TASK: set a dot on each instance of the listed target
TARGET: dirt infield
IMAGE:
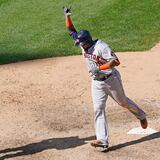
(46, 109)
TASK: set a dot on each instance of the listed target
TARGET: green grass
(31, 29)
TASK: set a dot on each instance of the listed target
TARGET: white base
(139, 130)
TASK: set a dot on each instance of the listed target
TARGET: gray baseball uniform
(103, 86)
(104, 82)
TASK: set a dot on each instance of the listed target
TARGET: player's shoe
(144, 123)
(99, 145)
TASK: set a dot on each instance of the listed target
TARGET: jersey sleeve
(107, 53)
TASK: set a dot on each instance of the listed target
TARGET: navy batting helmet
(83, 37)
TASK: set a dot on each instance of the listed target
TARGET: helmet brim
(78, 43)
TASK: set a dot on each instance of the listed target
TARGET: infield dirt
(46, 109)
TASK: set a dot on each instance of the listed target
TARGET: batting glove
(94, 71)
(67, 11)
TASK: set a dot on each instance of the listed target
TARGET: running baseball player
(106, 80)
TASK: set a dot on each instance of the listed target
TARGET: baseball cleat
(99, 145)
(144, 123)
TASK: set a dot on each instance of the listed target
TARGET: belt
(103, 78)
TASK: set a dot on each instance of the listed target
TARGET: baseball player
(106, 80)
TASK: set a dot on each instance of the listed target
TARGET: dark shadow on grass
(126, 144)
(53, 143)
(3, 2)
(19, 57)
(7, 58)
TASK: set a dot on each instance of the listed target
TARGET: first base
(139, 130)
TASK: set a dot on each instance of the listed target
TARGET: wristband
(104, 66)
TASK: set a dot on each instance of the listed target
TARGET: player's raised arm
(68, 22)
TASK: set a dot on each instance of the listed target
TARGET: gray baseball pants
(100, 91)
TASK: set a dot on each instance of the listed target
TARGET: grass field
(31, 29)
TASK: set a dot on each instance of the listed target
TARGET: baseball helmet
(83, 37)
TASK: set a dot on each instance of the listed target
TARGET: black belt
(103, 78)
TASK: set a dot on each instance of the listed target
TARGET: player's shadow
(53, 143)
(143, 139)
(64, 143)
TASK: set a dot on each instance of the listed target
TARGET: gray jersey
(99, 50)
(102, 87)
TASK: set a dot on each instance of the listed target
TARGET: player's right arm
(109, 56)
(68, 21)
